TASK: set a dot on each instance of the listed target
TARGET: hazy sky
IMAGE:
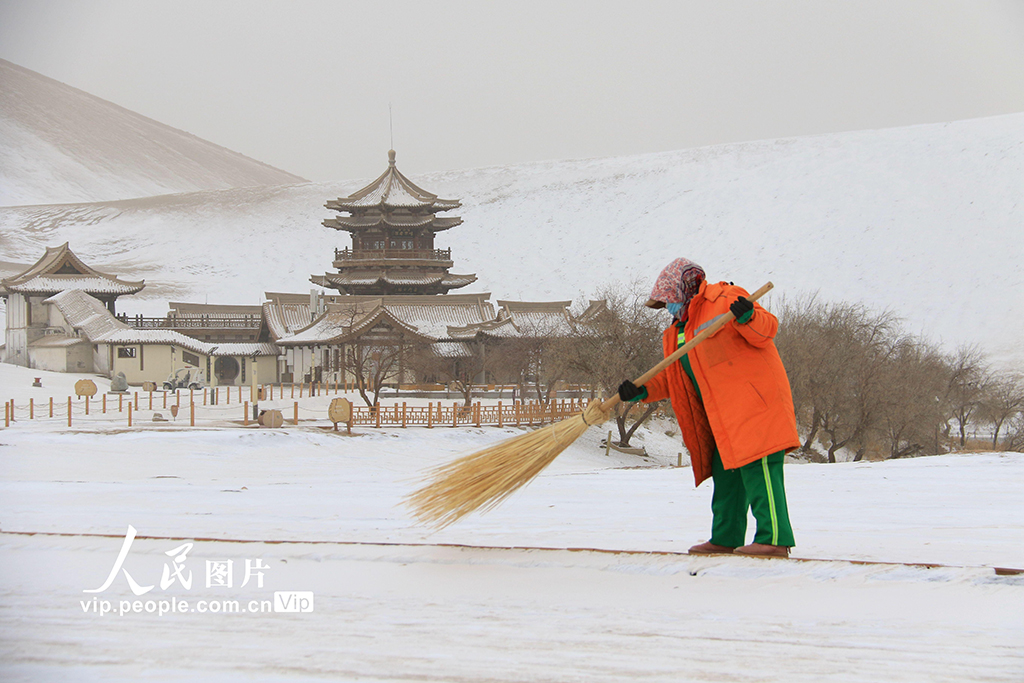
(305, 85)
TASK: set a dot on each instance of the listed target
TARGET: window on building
(190, 359)
(126, 352)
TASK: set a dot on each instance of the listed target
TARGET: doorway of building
(226, 369)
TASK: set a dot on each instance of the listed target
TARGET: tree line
(861, 383)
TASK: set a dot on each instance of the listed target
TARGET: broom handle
(719, 322)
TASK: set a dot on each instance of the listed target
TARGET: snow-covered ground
(321, 512)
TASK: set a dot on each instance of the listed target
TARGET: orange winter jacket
(747, 406)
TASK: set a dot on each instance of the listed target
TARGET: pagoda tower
(393, 223)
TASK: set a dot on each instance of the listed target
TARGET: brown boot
(763, 550)
(710, 548)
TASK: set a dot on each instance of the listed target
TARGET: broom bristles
(484, 479)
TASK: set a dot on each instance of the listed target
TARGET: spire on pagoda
(392, 222)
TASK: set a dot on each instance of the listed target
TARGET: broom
(484, 479)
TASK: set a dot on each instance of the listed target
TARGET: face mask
(674, 309)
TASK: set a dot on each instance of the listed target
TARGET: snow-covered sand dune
(59, 144)
(924, 220)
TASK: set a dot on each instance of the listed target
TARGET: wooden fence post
(403, 414)
(104, 404)
(376, 409)
(129, 414)
(51, 406)
(136, 400)
(430, 415)
(296, 413)
(69, 411)
(192, 415)
(499, 414)
(245, 414)
(31, 409)
(476, 413)
(120, 403)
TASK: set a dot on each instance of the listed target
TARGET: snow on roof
(86, 313)
(495, 328)
(429, 316)
(538, 318)
(361, 221)
(433, 315)
(451, 350)
(58, 283)
(395, 277)
(285, 319)
(59, 269)
(392, 190)
(243, 349)
(130, 336)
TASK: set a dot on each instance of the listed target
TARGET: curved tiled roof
(366, 278)
(285, 319)
(60, 269)
(392, 190)
(360, 222)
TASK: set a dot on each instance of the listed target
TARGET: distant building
(392, 310)
(30, 330)
(392, 223)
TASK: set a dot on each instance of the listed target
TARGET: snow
(59, 144)
(480, 600)
(923, 220)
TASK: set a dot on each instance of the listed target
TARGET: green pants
(758, 486)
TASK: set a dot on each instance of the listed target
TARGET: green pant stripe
(771, 501)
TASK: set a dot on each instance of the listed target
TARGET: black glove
(631, 392)
(743, 310)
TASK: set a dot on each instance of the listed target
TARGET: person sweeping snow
(734, 406)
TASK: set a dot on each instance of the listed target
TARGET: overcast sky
(306, 85)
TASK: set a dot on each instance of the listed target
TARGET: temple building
(27, 290)
(392, 222)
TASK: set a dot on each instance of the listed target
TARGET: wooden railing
(138, 322)
(515, 414)
(365, 254)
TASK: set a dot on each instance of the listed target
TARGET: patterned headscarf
(677, 284)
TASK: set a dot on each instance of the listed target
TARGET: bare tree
(835, 356)
(462, 365)
(1003, 400)
(916, 378)
(620, 341)
(968, 382)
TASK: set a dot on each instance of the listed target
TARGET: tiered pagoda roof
(393, 222)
